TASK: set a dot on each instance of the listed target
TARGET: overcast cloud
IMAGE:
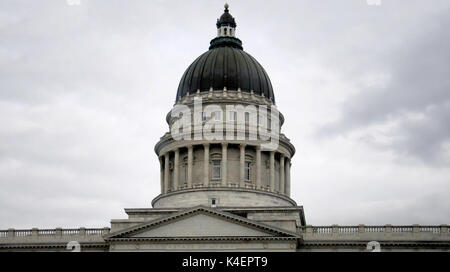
(84, 91)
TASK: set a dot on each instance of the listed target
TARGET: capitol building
(225, 177)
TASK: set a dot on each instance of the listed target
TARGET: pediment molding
(272, 232)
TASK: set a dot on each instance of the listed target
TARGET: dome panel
(225, 66)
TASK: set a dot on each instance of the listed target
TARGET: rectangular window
(203, 116)
(216, 169)
(213, 202)
(247, 117)
(232, 116)
(217, 116)
(247, 171)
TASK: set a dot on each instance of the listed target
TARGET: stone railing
(59, 239)
(58, 232)
(388, 232)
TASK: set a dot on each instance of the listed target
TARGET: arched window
(225, 31)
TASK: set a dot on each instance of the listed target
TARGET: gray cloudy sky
(84, 90)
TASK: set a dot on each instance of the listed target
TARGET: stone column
(166, 172)
(242, 165)
(258, 167)
(272, 171)
(224, 164)
(176, 167)
(206, 165)
(189, 170)
(282, 174)
(287, 188)
(161, 164)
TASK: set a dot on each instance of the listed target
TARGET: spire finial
(226, 7)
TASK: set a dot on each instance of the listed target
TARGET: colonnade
(283, 185)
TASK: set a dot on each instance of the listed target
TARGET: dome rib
(195, 75)
(202, 68)
(187, 81)
(237, 69)
(248, 72)
(262, 79)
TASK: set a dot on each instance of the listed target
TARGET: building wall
(225, 197)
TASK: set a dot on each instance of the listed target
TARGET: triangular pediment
(199, 225)
(200, 222)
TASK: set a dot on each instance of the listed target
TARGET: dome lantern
(226, 25)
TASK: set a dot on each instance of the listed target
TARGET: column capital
(206, 145)
(224, 144)
(242, 145)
